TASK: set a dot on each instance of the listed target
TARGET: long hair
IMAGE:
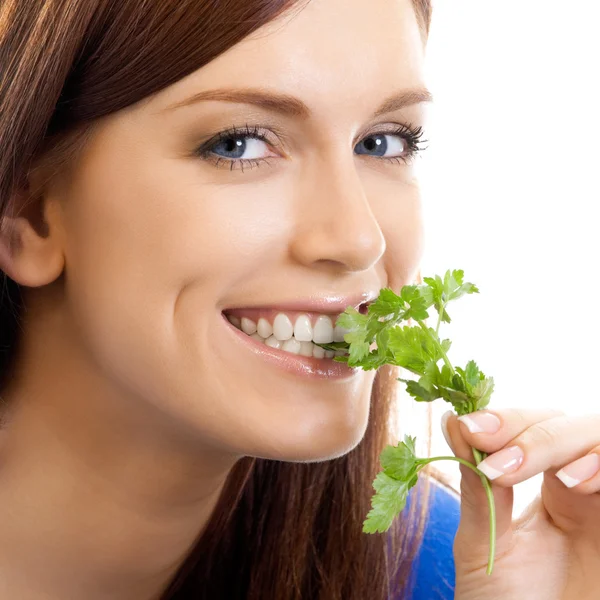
(280, 530)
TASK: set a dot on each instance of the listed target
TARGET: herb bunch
(419, 350)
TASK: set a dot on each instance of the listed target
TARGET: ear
(31, 249)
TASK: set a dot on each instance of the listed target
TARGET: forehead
(324, 52)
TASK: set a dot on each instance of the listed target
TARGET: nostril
(363, 308)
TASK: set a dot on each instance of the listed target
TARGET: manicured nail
(502, 462)
(445, 418)
(481, 422)
(579, 470)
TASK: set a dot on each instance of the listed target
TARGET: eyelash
(413, 136)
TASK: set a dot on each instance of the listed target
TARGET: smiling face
(281, 195)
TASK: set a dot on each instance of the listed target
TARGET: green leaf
(418, 298)
(356, 323)
(454, 287)
(409, 442)
(388, 501)
(436, 285)
(387, 303)
(458, 383)
(445, 378)
(431, 376)
(472, 374)
(420, 393)
(482, 392)
(425, 390)
(400, 461)
(357, 339)
(445, 290)
(383, 338)
(458, 399)
(358, 352)
(400, 473)
(412, 348)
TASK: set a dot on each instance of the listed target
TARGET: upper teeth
(292, 336)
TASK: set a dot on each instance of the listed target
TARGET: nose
(336, 225)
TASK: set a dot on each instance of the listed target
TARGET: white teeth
(282, 327)
(323, 333)
(303, 330)
(248, 326)
(234, 321)
(296, 338)
(339, 333)
(306, 348)
(273, 342)
(264, 328)
(318, 352)
(292, 346)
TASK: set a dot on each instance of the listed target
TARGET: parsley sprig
(419, 350)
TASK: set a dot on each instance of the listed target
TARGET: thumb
(473, 535)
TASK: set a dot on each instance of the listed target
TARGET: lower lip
(320, 368)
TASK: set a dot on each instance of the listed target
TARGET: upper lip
(322, 303)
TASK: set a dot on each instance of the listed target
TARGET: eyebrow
(290, 106)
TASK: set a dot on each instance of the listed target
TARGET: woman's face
(283, 194)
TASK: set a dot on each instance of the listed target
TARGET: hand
(552, 552)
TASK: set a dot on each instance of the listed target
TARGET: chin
(320, 444)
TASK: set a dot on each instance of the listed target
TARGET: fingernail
(502, 462)
(445, 418)
(481, 422)
(579, 470)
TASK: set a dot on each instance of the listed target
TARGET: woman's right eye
(238, 147)
(242, 147)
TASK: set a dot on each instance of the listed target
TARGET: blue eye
(384, 145)
(243, 147)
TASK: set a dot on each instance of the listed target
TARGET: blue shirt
(433, 569)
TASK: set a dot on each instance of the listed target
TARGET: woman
(191, 191)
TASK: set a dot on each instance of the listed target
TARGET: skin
(552, 551)
(130, 400)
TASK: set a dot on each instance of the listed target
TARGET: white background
(511, 194)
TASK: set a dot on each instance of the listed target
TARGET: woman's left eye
(384, 145)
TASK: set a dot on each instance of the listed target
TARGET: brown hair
(280, 530)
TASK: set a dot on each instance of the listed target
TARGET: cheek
(151, 250)
(400, 217)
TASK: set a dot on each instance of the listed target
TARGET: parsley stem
(437, 327)
(488, 492)
(437, 344)
(462, 461)
(492, 506)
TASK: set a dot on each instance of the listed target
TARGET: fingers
(473, 536)
(500, 426)
(527, 442)
(461, 448)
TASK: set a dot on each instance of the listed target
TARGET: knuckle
(523, 416)
(544, 434)
(520, 415)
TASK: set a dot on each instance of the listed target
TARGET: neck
(105, 501)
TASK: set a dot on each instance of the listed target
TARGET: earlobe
(30, 257)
